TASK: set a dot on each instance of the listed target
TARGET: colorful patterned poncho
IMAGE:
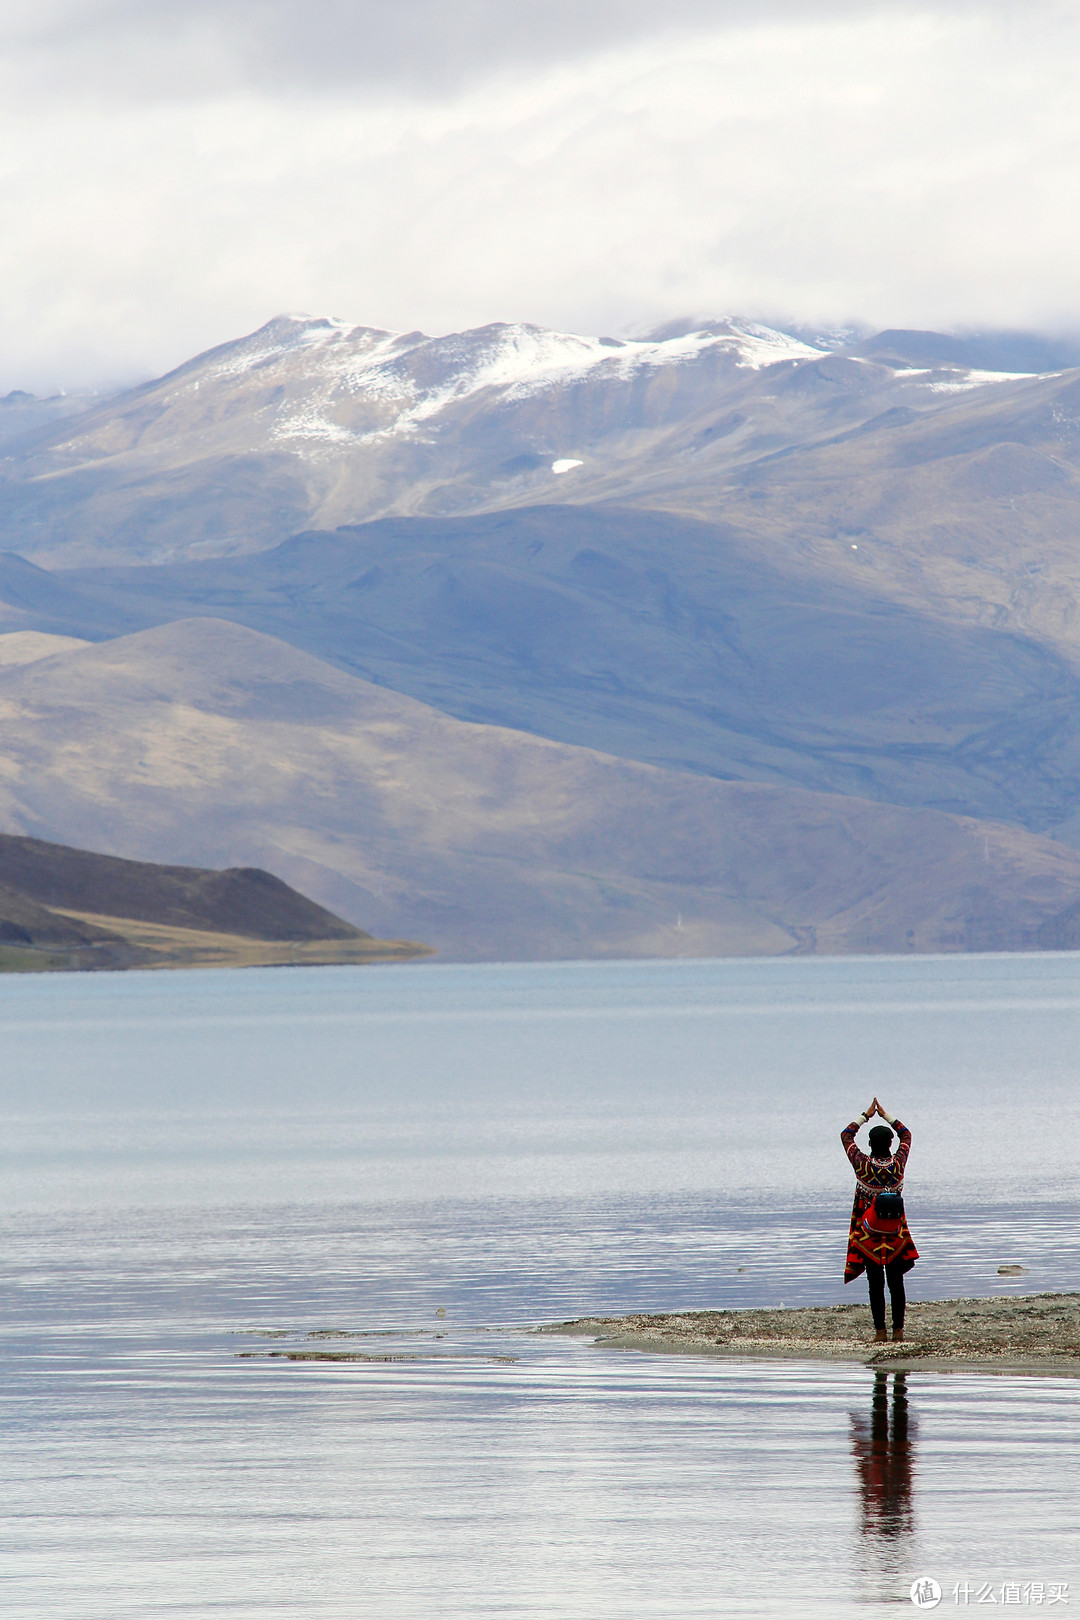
(871, 1177)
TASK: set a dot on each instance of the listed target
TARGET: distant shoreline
(1028, 1333)
(157, 948)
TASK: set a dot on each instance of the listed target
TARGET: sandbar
(1028, 1333)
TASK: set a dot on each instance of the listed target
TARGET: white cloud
(913, 167)
(133, 50)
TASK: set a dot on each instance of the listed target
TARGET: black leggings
(875, 1276)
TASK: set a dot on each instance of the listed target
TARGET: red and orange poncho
(871, 1177)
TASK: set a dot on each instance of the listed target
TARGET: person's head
(880, 1142)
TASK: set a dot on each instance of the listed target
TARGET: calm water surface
(199, 1169)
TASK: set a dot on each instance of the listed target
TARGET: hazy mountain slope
(970, 512)
(309, 421)
(995, 351)
(27, 646)
(645, 635)
(214, 745)
(22, 413)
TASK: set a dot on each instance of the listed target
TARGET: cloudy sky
(174, 172)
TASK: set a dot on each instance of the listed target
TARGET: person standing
(878, 1240)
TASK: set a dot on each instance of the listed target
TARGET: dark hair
(881, 1141)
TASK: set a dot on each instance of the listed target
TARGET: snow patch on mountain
(280, 339)
(409, 377)
(978, 379)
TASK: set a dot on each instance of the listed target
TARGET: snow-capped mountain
(311, 421)
(314, 384)
(406, 379)
(315, 381)
(838, 564)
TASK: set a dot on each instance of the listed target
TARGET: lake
(200, 1169)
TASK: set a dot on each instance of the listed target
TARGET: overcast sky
(175, 172)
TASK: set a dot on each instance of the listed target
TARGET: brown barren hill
(70, 908)
(242, 900)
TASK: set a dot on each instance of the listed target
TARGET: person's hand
(868, 1113)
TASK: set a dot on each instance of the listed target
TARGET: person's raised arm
(904, 1145)
(849, 1132)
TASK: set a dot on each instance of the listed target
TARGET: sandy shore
(1025, 1333)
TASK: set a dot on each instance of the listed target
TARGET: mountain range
(223, 746)
(718, 562)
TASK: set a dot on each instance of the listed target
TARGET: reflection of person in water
(882, 1446)
(879, 1239)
